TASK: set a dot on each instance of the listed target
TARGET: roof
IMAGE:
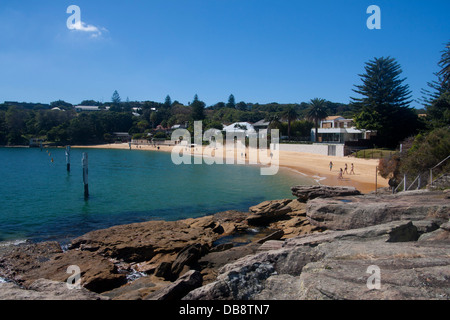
(333, 118)
(179, 126)
(261, 123)
(238, 127)
(121, 134)
(87, 107)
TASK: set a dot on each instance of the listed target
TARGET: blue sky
(259, 50)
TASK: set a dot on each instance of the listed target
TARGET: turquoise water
(40, 200)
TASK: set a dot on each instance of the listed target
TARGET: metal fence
(421, 180)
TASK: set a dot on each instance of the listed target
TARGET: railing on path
(402, 186)
(431, 170)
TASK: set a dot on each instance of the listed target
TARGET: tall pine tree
(384, 102)
(231, 102)
(168, 102)
(198, 109)
(436, 100)
(115, 97)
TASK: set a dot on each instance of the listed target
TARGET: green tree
(58, 134)
(153, 119)
(444, 64)
(168, 102)
(436, 99)
(90, 103)
(81, 129)
(442, 83)
(427, 151)
(384, 102)
(198, 109)
(3, 129)
(438, 113)
(231, 102)
(316, 112)
(242, 106)
(116, 97)
(290, 115)
(15, 120)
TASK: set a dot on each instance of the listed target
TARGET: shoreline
(311, 165)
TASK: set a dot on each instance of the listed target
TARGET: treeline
(17, 126)
(19, 122)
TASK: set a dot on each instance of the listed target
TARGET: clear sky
(259, 50)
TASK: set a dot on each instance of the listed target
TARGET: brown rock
(164, 270)
(277, 235)
(187, 257)
(18, 260)
(305, 193)
(269, 211)
(98, 274)
(362, 211)
(441, 234)
(43, 289)
(138, 289)
(177, 290)
(143, 241)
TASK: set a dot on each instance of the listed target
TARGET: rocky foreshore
(321, 245)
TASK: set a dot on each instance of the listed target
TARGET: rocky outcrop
(43, 289)
(177, 290)
(441, 234)
(288, 215)
(342, 213)
(269, 211)
(397, 242)
(305, 193)
(335, 265)
(145, 241)
(283, 249)
(406, 271)
(26, 263)
(187, 257)
(159, 252)
(16, 261)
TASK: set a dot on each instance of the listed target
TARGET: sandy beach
(313, 165)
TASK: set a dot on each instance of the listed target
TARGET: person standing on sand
(340, 174)
(352, 169)
(345, 169)
(331, 165)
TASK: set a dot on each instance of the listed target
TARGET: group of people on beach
(342, 172)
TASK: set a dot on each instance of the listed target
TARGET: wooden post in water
(84, 162)
(68, 158)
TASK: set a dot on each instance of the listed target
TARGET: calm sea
(40, 200)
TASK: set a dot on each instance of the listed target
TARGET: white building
(337, 129)
(239, 127)
(86, 108)
(89, 108)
